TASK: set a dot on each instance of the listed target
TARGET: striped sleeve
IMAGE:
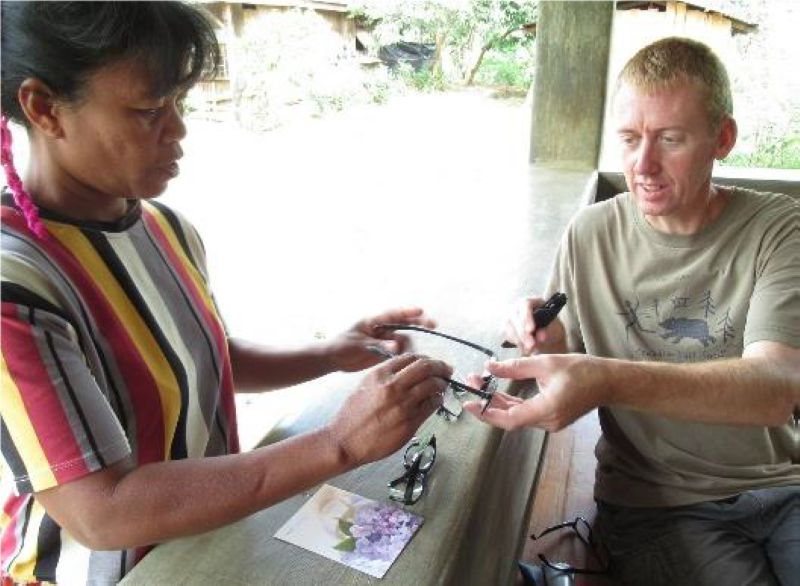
(184, 233)
(57, 426)
(192, 245)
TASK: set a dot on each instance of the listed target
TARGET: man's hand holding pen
(561, 377)
(533, 326)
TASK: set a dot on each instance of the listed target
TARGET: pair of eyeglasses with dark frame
(489, 385)
(418, 460)
(583, 530)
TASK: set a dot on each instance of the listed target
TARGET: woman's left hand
(349, 351)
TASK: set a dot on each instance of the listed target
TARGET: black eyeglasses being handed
(489, 382)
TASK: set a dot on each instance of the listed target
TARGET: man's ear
(39, 104)
(726, 137)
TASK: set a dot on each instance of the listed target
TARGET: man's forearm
(745, 391)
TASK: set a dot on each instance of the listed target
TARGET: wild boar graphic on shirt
(678, 328)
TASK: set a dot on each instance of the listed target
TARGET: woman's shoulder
(29, 275)
(169, 217)
(176, 227)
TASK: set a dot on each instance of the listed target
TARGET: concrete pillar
(573, 41)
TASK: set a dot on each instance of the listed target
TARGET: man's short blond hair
(673, 60)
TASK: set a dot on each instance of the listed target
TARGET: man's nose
(647, 160)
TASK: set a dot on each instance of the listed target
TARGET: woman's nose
(174, 129)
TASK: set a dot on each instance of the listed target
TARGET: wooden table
(478, 497)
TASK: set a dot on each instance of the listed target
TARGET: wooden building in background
(637, 24)
(240, 24)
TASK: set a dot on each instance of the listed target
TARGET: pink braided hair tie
(22, 199)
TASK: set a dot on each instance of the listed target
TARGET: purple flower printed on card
(376, 533)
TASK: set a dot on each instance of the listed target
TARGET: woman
(118, 418)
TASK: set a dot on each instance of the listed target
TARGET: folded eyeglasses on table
(418, 461)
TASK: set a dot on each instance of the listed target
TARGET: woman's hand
(349, 351)
(388, 407)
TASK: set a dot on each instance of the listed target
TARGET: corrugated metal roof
(739, 26)
(323, 5)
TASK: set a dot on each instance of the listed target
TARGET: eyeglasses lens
(418, 460)
(451, 404)
(427, 455)
(584, 532)
(400, 492)
(463, 355)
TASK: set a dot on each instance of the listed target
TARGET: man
(683, 328)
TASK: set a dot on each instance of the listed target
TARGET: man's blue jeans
(747, 540)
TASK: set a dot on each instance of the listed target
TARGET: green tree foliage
(766, 87)
(410, 20)
(465, 32)
(501, 25)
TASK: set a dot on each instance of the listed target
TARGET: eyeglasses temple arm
(553, 528)
(400, 327)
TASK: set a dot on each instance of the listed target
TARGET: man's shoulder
(599, 215)
(762, 210)
(766, 201)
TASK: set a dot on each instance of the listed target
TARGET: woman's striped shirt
(112, 347)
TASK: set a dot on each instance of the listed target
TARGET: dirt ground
(316, 207)
(313, 225)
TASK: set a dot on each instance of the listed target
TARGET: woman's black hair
(63, 43)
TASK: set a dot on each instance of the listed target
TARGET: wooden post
(573, 44)
(437, 61)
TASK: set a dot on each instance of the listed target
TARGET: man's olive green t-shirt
(639, 294)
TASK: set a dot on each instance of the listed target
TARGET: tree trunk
(486, 47)
(474, 70)
(437, 61)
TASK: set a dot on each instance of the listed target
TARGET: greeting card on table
(352, 530)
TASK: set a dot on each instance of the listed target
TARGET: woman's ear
(40, 107)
